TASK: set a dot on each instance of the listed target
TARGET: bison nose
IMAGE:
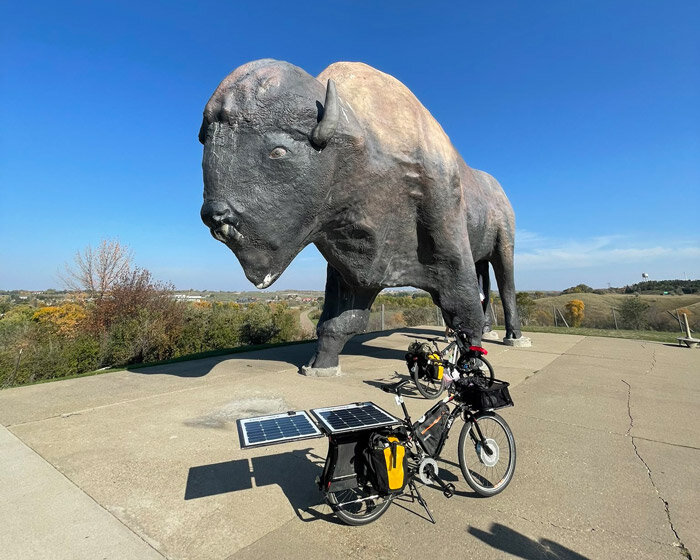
(214, 213)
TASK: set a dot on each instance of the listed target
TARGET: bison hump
(387, 108)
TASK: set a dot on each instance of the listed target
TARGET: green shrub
(525, 305)
(80, 355)
(633, 312)
(223, 329)
(419, 316)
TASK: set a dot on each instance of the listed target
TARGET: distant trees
(578, 289)
(399, 301)
(678, 287)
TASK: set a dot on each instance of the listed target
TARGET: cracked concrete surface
(605, 469)
(678, 542)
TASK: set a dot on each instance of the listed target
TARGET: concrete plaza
(146, 464)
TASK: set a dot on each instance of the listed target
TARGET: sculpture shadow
(199, 367)
(503, 538)
(357, 346)
(293, 471)
(294, 354)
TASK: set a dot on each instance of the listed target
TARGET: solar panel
(276, 428)
(352, 417)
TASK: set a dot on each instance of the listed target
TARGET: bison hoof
(490, 335)
(522, 342)
(310, 371)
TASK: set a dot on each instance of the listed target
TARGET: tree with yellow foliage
(64, 320)
(574, 312)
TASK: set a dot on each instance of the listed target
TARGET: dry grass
(598, 309)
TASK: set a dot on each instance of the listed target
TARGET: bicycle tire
(487, 475)
(358, 513)
(474, 368)
(428, 387)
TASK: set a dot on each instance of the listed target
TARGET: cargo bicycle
(374, 458)
(409, 451)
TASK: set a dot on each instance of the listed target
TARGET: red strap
(478, 349)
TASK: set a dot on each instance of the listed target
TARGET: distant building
(184, 297)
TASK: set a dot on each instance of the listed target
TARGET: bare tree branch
(95, 271)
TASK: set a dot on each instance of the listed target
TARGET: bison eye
(278, 152)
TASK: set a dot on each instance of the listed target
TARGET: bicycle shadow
(510, 541)
(408, 391)
(293, 471)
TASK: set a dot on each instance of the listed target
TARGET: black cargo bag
(386, 462)
(479, 396)
(431, 427)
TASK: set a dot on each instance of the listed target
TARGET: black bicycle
(433, 369)
(486, 451)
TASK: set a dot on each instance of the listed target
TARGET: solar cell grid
(353, 417)
(277, 428)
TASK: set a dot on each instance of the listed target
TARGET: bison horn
(325, 129)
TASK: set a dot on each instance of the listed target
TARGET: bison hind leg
(482, 274)
(502, 263)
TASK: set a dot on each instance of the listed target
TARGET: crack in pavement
(601, 430)
(653, 360)
(679, 544)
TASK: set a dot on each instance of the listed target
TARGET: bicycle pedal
(449, 490)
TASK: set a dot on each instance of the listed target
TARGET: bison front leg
(345, 314)
(458, 297)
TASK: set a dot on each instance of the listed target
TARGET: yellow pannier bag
(436, 369)
(394, 458)
(387, 463)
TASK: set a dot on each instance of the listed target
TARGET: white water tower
(645, 276)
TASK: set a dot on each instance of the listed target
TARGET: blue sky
(587, 112)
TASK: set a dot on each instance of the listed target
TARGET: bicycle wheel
(427, 386)
(480, 367)
(358, 506)
(487, 474)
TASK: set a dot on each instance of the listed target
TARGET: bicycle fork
(481, 439)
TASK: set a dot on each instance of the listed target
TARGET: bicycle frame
(459, 410)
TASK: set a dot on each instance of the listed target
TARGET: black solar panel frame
(243, 432)
(329, 429)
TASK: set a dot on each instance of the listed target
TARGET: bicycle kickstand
(421, 501)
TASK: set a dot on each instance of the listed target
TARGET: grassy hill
(598, 310)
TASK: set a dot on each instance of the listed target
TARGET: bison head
(266, 171)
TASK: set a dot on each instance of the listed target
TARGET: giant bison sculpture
(353, 163)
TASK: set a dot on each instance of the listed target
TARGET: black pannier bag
(479, 396)
(430, 428)
(386, 462)
(422, 356)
